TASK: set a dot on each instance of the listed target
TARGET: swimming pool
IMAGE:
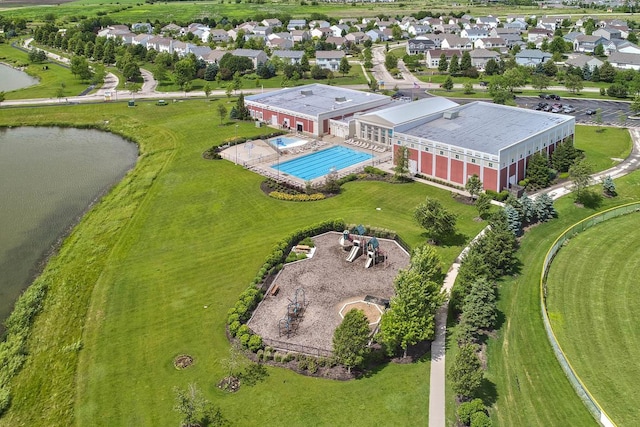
(287, 142)
(320, 163)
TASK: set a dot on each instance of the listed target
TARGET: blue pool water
(320, 163)
(287, 141)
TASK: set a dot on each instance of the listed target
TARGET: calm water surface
(48, 178)
(12, 79)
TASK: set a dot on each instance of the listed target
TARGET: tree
(580, 173)
(195, 409)
(491, 67)
(606, 72)
(540, 81)
(514, 78)
(448, 84)
(497, 246)
(222, 112)
(466, 373)
(344, 66)
(632, 38)
(401, 162)
(454, 65)
(573, 83)
(599, 50)
(184, 71)
(350, 339)
(80, 67)
(411, 315)
(608, 186)
(544, 208)
(207, 90)
(527, 209)
(210, 72)
(435, 218)
(473, 186)
(550, 68)
(468, 88)
(390, 62)
(483, 205)
(514, 220)
(241, 109)
(467, 409)
(465, 62)
(99, 73)
(564, 155)
(538, 171)
(479, 310)
(617, 90)
(443, 65)
(558, 45)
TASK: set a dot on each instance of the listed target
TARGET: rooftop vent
(450, 115)
(341, 99)
(306, 92)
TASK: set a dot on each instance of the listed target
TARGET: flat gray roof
(398, 113)
(315, 99)
(487, 127)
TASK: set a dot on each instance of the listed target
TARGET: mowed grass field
(178, 234)
(593, 301)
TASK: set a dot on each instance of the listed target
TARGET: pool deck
(262, 155)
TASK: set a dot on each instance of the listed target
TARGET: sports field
(594, 303)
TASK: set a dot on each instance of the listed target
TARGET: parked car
(161, 102)
(590, 112)
(555, 110)
(547, 108)
(484, 84)
(556, 97)
(569, 109)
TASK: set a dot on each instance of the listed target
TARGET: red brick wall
(441, 167)
(472, 169)
(490, 179)
(426, 165)
(457, 171)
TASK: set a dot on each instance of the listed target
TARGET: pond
(12, 79)
(48, 178)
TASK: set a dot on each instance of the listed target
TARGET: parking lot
(612, 111)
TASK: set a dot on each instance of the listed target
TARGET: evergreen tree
(473, 186)
(564, 156)
(448, 83)
(465, 62)
(350, 339)
(479, 310)
(586, 72)
(435, 218)
(607, 72)
(608, 186)
(472, 268)
(528, 209)
(538, 171)
(483, 205)
(544, 208)
(241, 110)
(443, 65)
(454, 65)
(498, 246)
(491, 67)
(344, 67)
(466, 373)
(595, 74)
(513, 218)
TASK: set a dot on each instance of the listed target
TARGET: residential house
(289, 56)
(215, 55)
(386, 24)
(357, 37)
(520, 26)
(201, 52)
(611, 22)
(419, 46)
(142, 27)
(548, 24)
(257, 56)
(587, 44)
(161, 44)
(432, 57)
(449, 28)
(114, 31)
(511, 40)
(480, 57)
(329, 59)
(625, 61)
(571, 36)
(579, 60)
(321, 32)
(534, 34)
(300, 35)
(532, 57)
(141, 39)
(487, 21)
(416, 29)
(455, 42)
(500, 32)
(296, 24)
(262, 31)
(339, 29)
(474, 34)
(624, 30)
(491, 43)
(279, 43)
(619, 45)
(377, 35)
(218, 36)
(337, 41)
(171, 29)
(608, 33)
(271, 22)
(248, 26)
(319, 24)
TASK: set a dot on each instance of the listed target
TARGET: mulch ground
(328, 281)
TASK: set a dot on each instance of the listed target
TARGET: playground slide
(355, 251)
(369, 262)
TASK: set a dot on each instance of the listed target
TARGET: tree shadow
(487, 392)
(454, 239)
(590, 199)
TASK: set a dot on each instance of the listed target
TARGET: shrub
(374, 171)
(244, 329)
(5, 398)
(255, 343)
(467, 409)
(267, 353)
(288, 358)
(244, 339)
(296, 197)
(312, 365)
(259, 353)
(308, 241)
(480, 419)
(302, 363)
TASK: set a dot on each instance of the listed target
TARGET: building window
(473, 160)
(520, 155)
(457, 156)
(441, 153)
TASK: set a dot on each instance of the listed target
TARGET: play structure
(356, 243)
(295, 309)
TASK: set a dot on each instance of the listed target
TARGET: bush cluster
(13, 350)
(296, 197)
(500, 197)
(282, 187)
(248, 300)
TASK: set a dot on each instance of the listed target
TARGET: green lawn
(50, 80)
(177, 234)
(592, 301)
(602, 147)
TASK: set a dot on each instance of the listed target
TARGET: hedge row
(296, 197)
(238, 316)
(13, 350)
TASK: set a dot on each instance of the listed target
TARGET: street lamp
(236, 142)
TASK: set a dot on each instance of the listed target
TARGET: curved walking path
(437, 400)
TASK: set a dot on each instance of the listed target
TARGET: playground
(311, 296)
